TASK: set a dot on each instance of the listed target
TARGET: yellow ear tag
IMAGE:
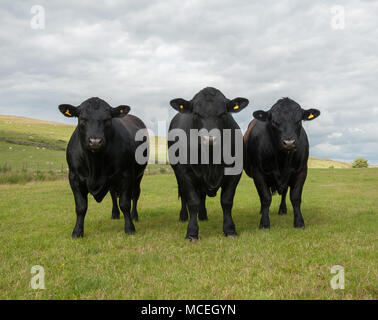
(260, 115)
(181, 107)
(121, 111)
(310, 116)
(236, 107)
(68, 113)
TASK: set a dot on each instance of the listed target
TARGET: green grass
(30, 157)
(340, 212)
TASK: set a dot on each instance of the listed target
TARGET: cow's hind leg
(136, 194)
(202, 214)
(184, 209)
(125, 205)
(283, 209)
(115, 210)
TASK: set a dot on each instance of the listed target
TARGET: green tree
(360, 163)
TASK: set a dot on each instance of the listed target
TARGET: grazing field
(339, 208)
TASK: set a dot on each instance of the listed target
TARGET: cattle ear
(237, 104)
(68, 110)
(310, 114)
(181, 105)
(261, 115)
(120, 111)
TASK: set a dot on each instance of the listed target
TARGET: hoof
(130, 229)
(282, 211)
(203, 218)
(183, 219)
(264, 226)
(77, 234)
(299, 225)
(192, 238)
(231, 234)
(135, 218)
(114, 217)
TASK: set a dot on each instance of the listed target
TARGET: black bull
(101, 158)
(209, 109)
(276, 156)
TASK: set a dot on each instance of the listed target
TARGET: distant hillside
(327, 163)
(38, 143)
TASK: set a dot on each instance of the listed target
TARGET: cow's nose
(289, 144)
(95, 143)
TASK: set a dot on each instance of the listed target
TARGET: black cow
(101, 158)
(276, 156)
(209, 109)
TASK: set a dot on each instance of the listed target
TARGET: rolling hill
(37, 144)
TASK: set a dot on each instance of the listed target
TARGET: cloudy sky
(144, 53)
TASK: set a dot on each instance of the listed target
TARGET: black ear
(120, 111)
(261, 115)
(310, 114)
(181, 105)
(237, 104)
(68, 110)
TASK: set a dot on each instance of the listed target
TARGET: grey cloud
(145, 53)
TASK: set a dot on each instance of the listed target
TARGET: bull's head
(285, 121)
(210, 109)
(95, 125)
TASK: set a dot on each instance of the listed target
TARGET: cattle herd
(206, 151)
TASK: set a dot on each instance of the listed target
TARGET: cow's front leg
(115, 210)
(265, 199)
(227, 200)
(193, 202)
(296, 198)
(81, 204)
(125, 205)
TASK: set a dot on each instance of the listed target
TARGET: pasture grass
(339, 208)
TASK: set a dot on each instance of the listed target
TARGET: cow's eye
(83, 122)
(275, 123)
